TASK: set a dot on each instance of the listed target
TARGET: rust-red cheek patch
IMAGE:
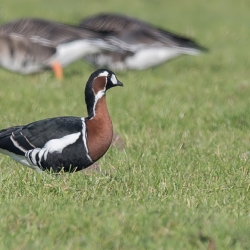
(99, 84)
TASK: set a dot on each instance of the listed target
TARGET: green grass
(183, 180)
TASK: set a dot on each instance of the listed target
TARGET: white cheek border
(105, 73)
(113, 79)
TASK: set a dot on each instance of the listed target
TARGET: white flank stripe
(42, 152)
(57, 145)
(84, 137)
(45, 154)
(33, 154)
(22, 159)
(54, 145)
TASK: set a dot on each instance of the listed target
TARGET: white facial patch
(113, 79)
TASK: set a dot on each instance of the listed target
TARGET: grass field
(182, 181)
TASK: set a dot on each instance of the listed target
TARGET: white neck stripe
(84, 138)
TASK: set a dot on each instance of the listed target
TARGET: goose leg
(57, 69)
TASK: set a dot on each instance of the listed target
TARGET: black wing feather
(40, 132)
(5, 141)
(37, 134)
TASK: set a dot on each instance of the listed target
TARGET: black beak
(119, 83)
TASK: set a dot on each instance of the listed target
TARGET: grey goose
(142, 45)
(30, 45)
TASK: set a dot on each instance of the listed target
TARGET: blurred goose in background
(142, 45)
(31, 45)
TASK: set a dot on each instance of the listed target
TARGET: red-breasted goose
(66, 143)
